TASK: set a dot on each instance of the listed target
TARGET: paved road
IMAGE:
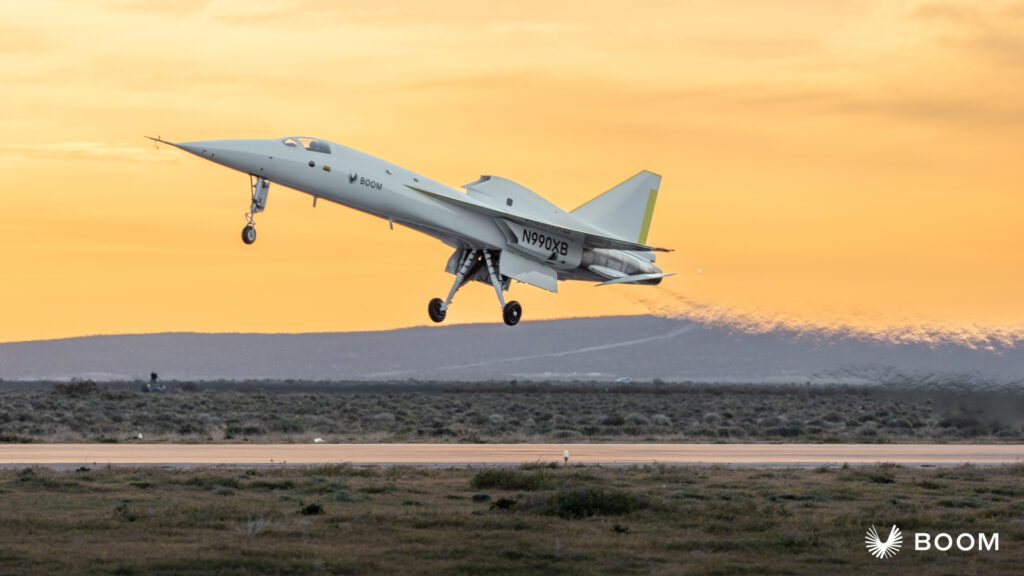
(61, 455)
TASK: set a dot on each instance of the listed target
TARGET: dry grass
(650, 520)
(299, 412)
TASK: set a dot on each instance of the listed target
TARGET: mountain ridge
(595, 348)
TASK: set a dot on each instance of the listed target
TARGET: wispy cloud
(84, 150)
(530, 27)
(994, 30)
(159, 6)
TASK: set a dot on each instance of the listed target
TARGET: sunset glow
(855, 163)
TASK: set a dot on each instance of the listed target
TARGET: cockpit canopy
(311, 144)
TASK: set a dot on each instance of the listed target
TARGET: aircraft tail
(625, 210)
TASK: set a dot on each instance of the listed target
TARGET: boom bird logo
(886, 549)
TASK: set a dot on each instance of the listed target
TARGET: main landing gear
(260, 190)
(468, 266)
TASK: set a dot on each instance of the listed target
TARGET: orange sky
(844, 161)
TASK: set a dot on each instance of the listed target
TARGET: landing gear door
(452, 266)
(260, 190)
(529, 271)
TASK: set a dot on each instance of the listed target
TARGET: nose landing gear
(260, 190)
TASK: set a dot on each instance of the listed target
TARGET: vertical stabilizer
(625, 210)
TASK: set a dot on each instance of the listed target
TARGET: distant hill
(636, 347)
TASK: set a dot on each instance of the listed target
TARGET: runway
(66, 455)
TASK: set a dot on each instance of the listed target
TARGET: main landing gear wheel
(512, 313)
(249, 234)
(435, 311)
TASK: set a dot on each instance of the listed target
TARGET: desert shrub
(271, 484)
(504, 503)
(312, 509)
(785, 431)
(951, 503)
(76, 387)
(481, 497)
(122, 512)
(876, 476)
(538, 465)
(585, 502)
(191, 428)
(637, 419)
(613, 420)
(209, 481)
(384, 418)
(833, 416)
(661, 420)
(288, 426)
(382, 489)
(510, 480)
(254, 527)
(245, 430)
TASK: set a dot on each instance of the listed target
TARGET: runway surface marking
(454, 454)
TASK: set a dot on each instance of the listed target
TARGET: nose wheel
(260, 190)
(249, 234)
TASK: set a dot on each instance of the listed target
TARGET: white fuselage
(363, 182)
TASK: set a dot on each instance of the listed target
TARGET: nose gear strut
(260, 189)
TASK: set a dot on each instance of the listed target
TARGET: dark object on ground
(504, 503)
(312, 509)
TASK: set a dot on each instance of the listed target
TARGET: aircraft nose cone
(242, 155)
(199, 148)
